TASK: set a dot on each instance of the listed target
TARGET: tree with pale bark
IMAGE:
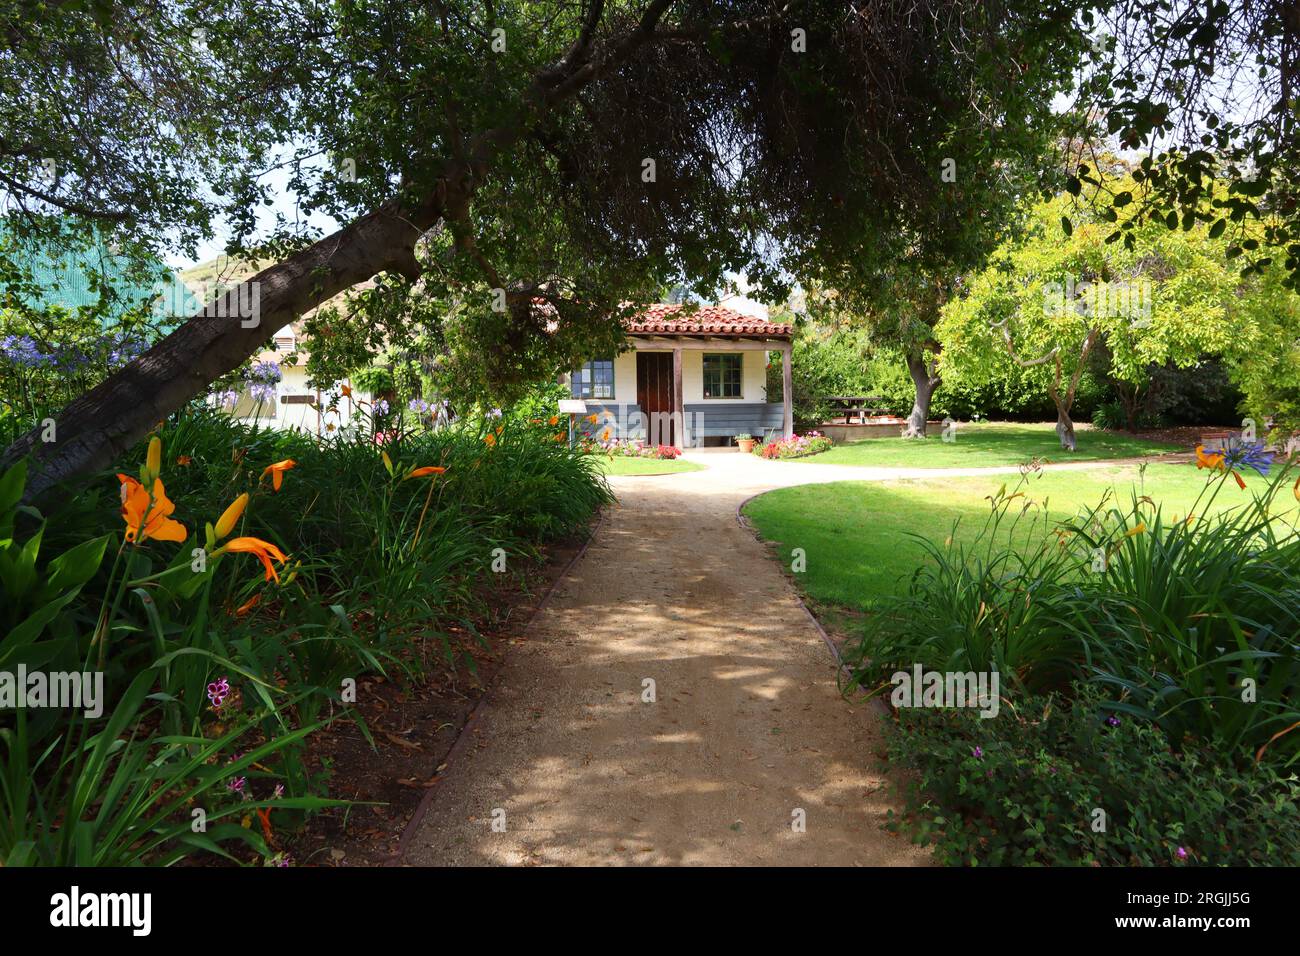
(1047, 301)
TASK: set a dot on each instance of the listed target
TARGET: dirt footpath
(570, 761)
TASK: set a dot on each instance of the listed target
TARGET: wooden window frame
(739, 358)
(586, 386)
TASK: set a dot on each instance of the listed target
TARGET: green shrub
(1063, 782)
(796, 446)
(386, 545)
(1189, 624)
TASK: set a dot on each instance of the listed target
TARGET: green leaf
(74, 567)
(12, 483)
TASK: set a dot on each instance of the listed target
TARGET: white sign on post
(573, 406)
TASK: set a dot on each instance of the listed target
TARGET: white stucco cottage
(694, 377)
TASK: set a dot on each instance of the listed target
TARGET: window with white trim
(593, 380)
(722, 374)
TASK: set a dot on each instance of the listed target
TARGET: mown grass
(626, 465)
(990, 444)
(859, 537)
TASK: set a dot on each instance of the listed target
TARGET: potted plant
(745, 442)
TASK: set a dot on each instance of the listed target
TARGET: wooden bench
(860, 405)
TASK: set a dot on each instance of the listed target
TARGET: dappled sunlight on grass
(859, 537)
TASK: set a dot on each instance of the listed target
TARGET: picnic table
(859, 405)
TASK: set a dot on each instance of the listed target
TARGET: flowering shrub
(629, 448)
(796, 446)
(225, 599)
(1027, 788)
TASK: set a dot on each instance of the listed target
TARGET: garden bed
(254, 693)
(415, 725)
(1077, 607)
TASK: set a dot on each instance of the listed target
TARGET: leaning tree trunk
(98, 427)
(926, 381)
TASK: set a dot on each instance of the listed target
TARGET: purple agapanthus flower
(265, 372)
(123, 349)
(977, 753)
(1249, 455)
(381, 407)
(1112, 721)
(26, 351)
(418, 405)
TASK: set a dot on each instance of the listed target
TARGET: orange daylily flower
(559, 436)
(1139, 528)
(153, 460)
(592, 418)
(264, 814)
(425, 471)
(226, 523)
(184, 460)
(1206, 459)
(148, 516)
(554, 420)
(490, 439)
(263, 550)
(347, 391)
(248, 605)
(277, 471)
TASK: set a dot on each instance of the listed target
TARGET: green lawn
(985, 444)
(625, 465)
(855, 535)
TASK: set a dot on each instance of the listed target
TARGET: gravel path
(569, 764)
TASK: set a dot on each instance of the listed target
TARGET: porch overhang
(721, 343)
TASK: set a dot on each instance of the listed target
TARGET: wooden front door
(654, 393)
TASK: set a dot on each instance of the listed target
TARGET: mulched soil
(414, 726)
(1185, 436)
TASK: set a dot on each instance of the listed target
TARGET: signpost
(572, 407)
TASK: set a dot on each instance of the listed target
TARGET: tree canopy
(521, 173)
(1045, 302)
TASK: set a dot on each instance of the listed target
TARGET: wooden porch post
(679, 412)
(787, 386)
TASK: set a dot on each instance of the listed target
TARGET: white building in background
(291, 402)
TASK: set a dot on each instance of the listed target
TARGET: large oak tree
(579, 154)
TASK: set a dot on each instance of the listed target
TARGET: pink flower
(217, 692)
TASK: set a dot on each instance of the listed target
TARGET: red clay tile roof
(706, 320)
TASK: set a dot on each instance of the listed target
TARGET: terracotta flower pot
(746, 445)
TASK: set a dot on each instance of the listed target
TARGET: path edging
(414, 825)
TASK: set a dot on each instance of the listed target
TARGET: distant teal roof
(64, 280)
